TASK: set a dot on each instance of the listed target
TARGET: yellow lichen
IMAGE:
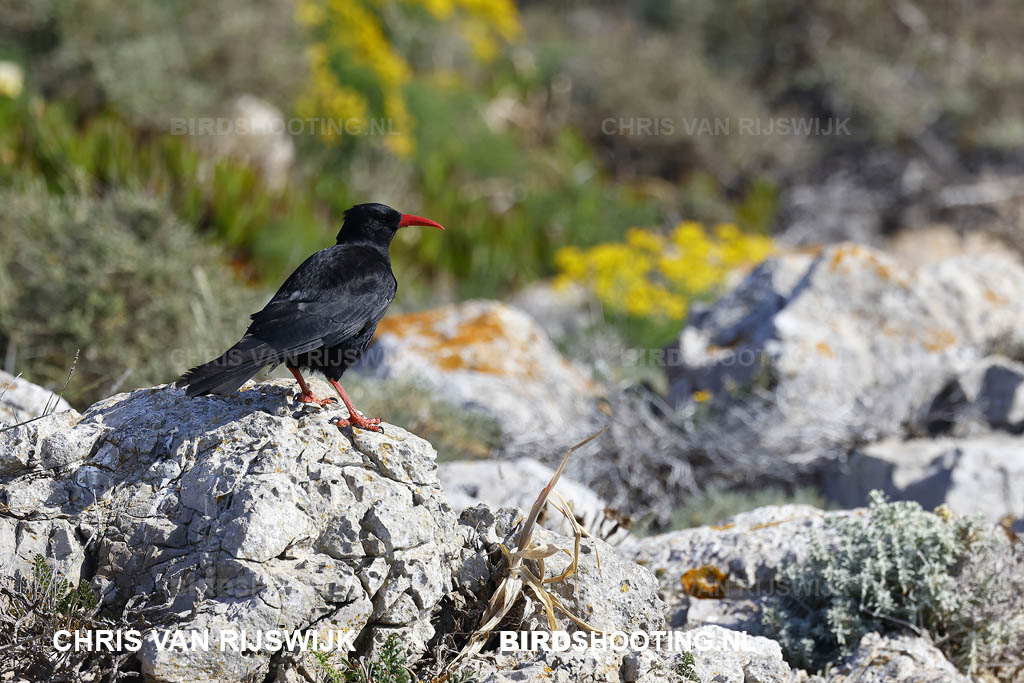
(705, 582)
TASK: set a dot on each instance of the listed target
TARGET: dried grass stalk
(519, 575)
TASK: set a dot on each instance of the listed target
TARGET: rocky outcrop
(515, 483)
(491, 359)
(846, 346)
(729, 566)
(252, 512)
(608, 590)
(21, 400)
(896, 659)
(983, 474)
(246, 511)
(848, 340)
(749, 547)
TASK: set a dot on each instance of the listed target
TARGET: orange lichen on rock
(939, 340)
(489, 342)
(410, 324)
(470, 346)
(707, 582)
(993, 297)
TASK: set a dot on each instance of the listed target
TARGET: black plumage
(324, 315)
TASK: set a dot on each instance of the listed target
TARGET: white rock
(244, 511)
(983, 474)
(516, 483)
(258, 135)
(720, 655)
(21, 400)
(896, 659)
(848, 340)
(749, 547)
(492, 359)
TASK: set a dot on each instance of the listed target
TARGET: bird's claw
(310, 398)
(370, 424)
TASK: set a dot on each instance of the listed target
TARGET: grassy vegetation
(118, 278)
(33, 608)
(715, 504)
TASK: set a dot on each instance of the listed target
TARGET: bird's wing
(325, 307)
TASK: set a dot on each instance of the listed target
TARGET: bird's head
(377, 223)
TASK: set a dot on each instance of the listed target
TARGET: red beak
(409, 219)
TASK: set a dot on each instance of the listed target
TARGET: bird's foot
(309, 397)
(357, 419)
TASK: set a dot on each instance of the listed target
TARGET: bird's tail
(231, 370)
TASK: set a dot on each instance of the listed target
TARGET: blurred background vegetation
(516, 124)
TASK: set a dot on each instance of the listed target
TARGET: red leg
(355, 418)
(307, 395)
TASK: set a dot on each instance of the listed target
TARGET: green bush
(150, 61)
(899, 567)
(269, 231)
(120, 279)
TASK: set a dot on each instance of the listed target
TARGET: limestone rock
(749, 547)
(896, 659)
(848, 340)
(516, 483)
(982, 474)
(987, 396)
(492, 359)
(246, 511)
(748, 550)
(21, 400)
(620, 596)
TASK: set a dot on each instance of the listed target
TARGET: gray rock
(896, 659)
(749, 549)
(987, 396)
(516, 483)
(847, 342)
(983, 474)
(243, 511)
(258, 135)
(21, 400)
(491, 359)
(563, 312)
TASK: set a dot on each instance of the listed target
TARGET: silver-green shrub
(897, 567)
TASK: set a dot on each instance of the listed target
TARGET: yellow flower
(648, 275)
(354, 32)
(642, 239)
(12, 79)
(702, 396)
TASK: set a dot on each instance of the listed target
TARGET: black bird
(323, 316)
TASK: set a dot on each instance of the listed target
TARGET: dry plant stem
(519, 575)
